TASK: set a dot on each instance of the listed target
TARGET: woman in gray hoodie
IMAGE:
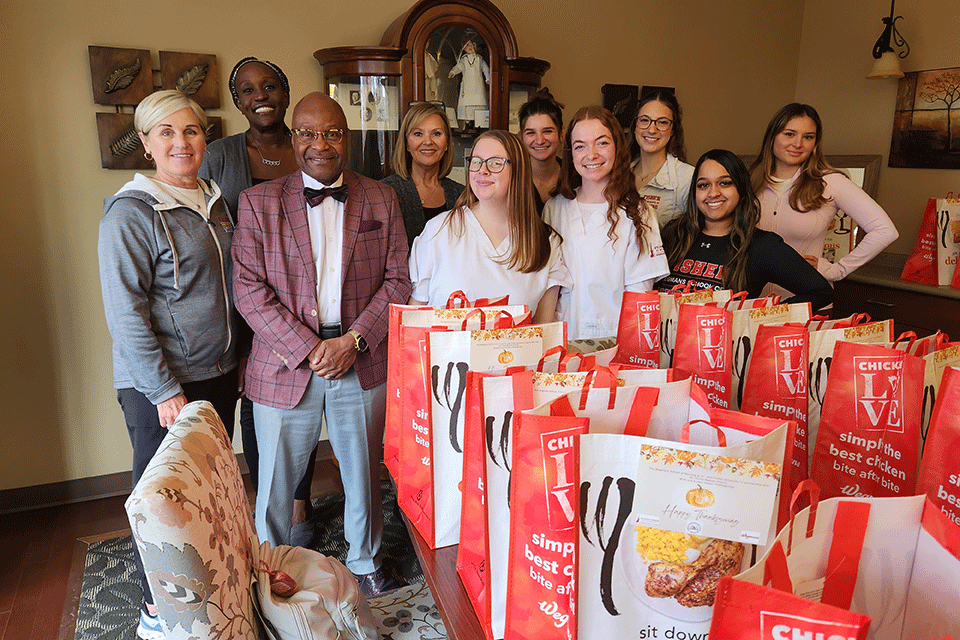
(166, 275)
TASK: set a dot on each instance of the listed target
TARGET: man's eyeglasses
(309, 136)
(494, 165)
(643, 122)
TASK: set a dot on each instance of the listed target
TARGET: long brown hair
(529, 234)
(681, 232)
(807, 192)
(621, 190)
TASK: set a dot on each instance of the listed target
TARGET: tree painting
(926, 129)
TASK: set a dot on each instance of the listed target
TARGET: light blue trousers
(286, 437)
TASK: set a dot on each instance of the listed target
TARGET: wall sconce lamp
(887, 63)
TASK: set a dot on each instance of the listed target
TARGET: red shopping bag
(638, 331)
(921, 264)
(869, 438)
(703, 350)
(746, 611)
(940, 465)
(776, 387)
(543, 498)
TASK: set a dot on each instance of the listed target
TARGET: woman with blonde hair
(422, 160)
(800, 194)
(492, 243)
(611, 240)
(165, 273)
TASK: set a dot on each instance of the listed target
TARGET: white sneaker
(149, 627)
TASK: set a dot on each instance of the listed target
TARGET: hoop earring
(148, 156)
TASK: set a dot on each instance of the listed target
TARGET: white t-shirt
(667, 192)
(602, 268)
(441, 263)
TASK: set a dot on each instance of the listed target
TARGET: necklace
(469, 61)
(269, 163)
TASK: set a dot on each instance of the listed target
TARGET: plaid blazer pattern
(275, 281)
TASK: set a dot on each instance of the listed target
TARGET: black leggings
(146, 433)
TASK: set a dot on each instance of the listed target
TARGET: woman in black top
(715, 244)
(422, 160)
(541, 131)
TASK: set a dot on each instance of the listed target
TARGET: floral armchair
(209, 576)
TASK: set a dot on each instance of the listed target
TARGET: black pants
(146, 433)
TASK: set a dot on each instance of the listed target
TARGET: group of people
(261, 267)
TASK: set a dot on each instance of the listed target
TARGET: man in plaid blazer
(319, 255)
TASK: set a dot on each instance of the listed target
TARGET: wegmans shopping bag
(744, 325)
(670, 309)
(776, 387)
(824, 335)
(746, 611)
(868, 443)
(704, 350)
(634, 575)
(940, 465)
(449, 355)
(895, 560)
(638, 331)
(948, 239)
(398, 346)
(487, 477)
(921, 264)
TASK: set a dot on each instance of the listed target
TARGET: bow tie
(316, 196)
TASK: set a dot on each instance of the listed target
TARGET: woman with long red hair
(611, 241)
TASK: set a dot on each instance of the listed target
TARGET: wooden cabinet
(878, 290)
(461, 53)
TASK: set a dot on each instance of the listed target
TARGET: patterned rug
(110, 596)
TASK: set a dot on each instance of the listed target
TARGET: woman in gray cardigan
(421, 163)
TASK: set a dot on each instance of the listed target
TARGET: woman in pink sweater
(800, 194)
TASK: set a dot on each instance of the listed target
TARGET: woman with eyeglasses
(263, 152)
(659, 155)
(716, 244)
(541, 130)
(611, 241)
(422, 160)
(492, 243)
(165, 274)
(800, 194)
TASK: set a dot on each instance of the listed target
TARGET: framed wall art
(926, 125)
(195, 74)
(120, 76)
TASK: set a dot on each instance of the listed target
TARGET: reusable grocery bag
(704, 350)
(868, 443)
(948, 239)
(637, 576)
(743, 611)
(638, 331)
(940, 464)
(669, 310)
(921, 264)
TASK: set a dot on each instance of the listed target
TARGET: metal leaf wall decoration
(123, 77)
(190, 81)
(126, 144)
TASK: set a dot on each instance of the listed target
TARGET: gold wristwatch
(358, 341)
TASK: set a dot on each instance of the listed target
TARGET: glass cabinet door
(372, 107)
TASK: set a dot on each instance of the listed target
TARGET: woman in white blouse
(492, 243)
(611, 240)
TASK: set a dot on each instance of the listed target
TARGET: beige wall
(858, 113)
(733, 65)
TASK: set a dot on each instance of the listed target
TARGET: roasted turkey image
(695, 584)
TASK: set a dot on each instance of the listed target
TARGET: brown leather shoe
(379, 582)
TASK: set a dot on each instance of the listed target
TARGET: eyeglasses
(643, 122)
(494, 165)
(309, 136)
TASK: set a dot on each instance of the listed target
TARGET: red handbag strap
(739, 296)
(843, 563)
(859, 318)
(638, 421)
(504, 320)
(776, 573)
(552, 351)
(810, 489)
(455, 297)
(591, 378)
(685, 432)
(474, 312)
(910, 337)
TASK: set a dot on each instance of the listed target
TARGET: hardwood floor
(38, 548)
